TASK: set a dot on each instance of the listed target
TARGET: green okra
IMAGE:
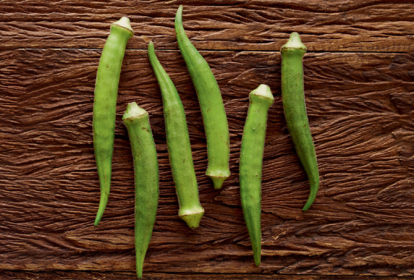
(211, 104)
(295, 111)
(144, 155)
(251, 159)
(104, 108)
(179, 147)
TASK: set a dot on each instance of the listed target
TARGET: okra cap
(294, 42)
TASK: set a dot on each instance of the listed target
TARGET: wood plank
(339, 25)
(361, 116)
(72, 275)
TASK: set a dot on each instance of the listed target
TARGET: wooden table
(359, 85)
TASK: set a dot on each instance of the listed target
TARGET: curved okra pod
(144, 155)
(211, 104)
(104, 107)
(179, 147)
(295, 111)
(251, 158)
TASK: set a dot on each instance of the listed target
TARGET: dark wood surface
(359, 86)
(122, 275)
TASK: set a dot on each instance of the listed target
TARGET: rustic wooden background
(359, 84)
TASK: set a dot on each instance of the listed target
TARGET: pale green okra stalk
(251, 160)
(211, 104)
(295, 111)
(144, 155)
(104, 108)
(179, 147)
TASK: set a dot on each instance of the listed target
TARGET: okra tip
(180, 10)
(124, 23)
(139, 272)
(312, 196)
(98, 216)
(179, 15)
(133, 111)
(257, 259)
(294, 42)
(151, 55)
(97, 220)
(102, 205)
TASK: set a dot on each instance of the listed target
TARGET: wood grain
(337, 25)
(359, 85)
(72, 275)
(360, 108)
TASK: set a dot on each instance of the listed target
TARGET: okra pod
(295, 111)
(179, 147)
(144, 155)
(251, 159)
(211, 104)
(104, 107)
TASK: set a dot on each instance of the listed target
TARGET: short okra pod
(295, 111)
(104, 107)
(144, 155)
(179, 147)
(251, 159)
(211, 104)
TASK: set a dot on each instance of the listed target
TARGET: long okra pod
(104, 108)
(179, 147)
(211, 104)
(251, 158)
(144, 155)
(295, 111)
